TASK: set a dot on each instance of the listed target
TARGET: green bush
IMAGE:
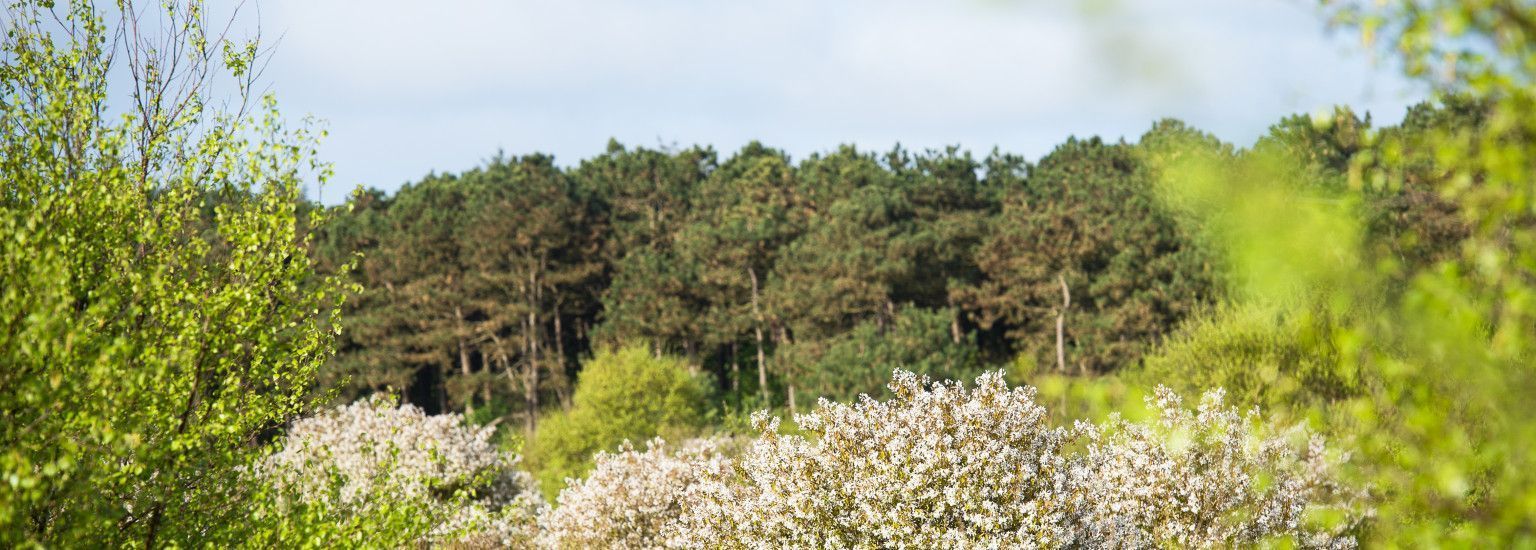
(626, 393)
(1266, 356)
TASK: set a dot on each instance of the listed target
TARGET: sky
(407, 87)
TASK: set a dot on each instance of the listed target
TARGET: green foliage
(860, 361)
(1279, 358)
(1443, 343)
(845, 267)
(473, 283)
(624, 394)
(150, 334)
(289, 524)
(642, 194)
(747, 211)
(1088, 221)
(751, 267)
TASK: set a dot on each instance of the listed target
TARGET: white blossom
(631, 499)
(936, 466)
(942, 466)
(360, 456)
(1201, 480)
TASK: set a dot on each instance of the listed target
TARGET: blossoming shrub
(940, 465)
(1202, 480)
(371, 455)
(631, 499)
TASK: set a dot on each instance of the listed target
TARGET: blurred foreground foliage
(1415, 353)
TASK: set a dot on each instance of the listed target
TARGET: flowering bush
(631, 499)
(1201, 480)
(940, 465)
(937, 467)
(372, 454)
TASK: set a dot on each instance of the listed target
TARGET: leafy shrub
(1275, 357)
(623, 394)
(371, 457)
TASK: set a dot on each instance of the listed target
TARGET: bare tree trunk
(954, 322)
(1061, 325)
(506, 368)
(531, 376)
(533, 345)
(530, 380)
(485, 386)
(757, 328)
(789, 380)
(735, 368)
(469, 397)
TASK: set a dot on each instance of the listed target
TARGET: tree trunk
(789, 379)
(954, 322)
(469, 397)
(530, 380)
(735, 368)
(757, 328)
(532, 375)
(1061, 326)
(506, 367)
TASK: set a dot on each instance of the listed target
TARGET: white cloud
(412, 86)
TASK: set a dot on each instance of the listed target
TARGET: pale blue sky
(409, 87)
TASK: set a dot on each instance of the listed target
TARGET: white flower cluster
(942, 466)
(939, 466)
(631, 499)
(1201, 480)
(370, 453)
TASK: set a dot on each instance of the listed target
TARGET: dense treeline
(784, 280)
(787, 281)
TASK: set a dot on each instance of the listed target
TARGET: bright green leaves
(624, 394)
(1386, 278)
(152, 335)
